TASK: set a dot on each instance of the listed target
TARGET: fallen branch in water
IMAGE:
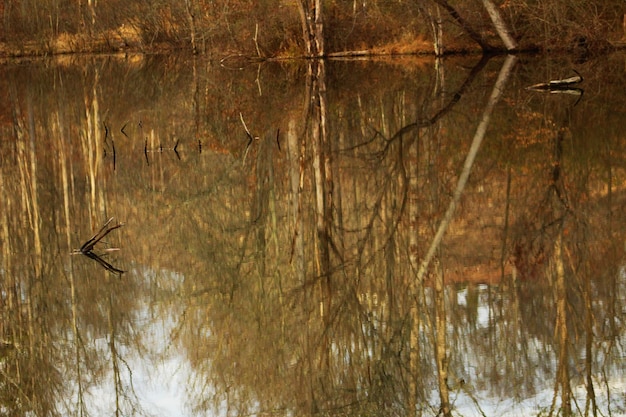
(562, 84)
(88, 247)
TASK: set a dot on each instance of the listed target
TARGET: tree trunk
(436, 27)
(192, 25)
(500, 25)
(311, 18)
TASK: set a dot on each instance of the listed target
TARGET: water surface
(298, 238)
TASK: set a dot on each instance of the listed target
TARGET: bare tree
(472, 32)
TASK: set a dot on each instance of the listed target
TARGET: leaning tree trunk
(471, 31)
(500, 25)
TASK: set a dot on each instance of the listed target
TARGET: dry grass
(408, 44)
(124, 38)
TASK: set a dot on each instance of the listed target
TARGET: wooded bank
(285, 28)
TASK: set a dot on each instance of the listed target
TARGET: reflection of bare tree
(430, 120)
(126, 400)
(353, 337)
(51, 309)
(92, 148)
(554, 250)
(441, 321)
(59, 129)
(26, 325)
(562, 334)
(322, 173)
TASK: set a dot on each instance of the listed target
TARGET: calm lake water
(347, 238)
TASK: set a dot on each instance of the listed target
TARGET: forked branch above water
(87, 248)
(105, 230)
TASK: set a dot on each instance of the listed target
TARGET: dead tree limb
(560, 84)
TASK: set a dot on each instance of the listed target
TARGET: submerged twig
(176, 149)
(122, 129)
(161, 149)
(106, 142)
(250, 137)
(114, 154)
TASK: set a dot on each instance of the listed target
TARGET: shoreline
(68, 45)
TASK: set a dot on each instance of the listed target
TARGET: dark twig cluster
(87, 248)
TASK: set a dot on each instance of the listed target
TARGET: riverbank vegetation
(293, 28)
